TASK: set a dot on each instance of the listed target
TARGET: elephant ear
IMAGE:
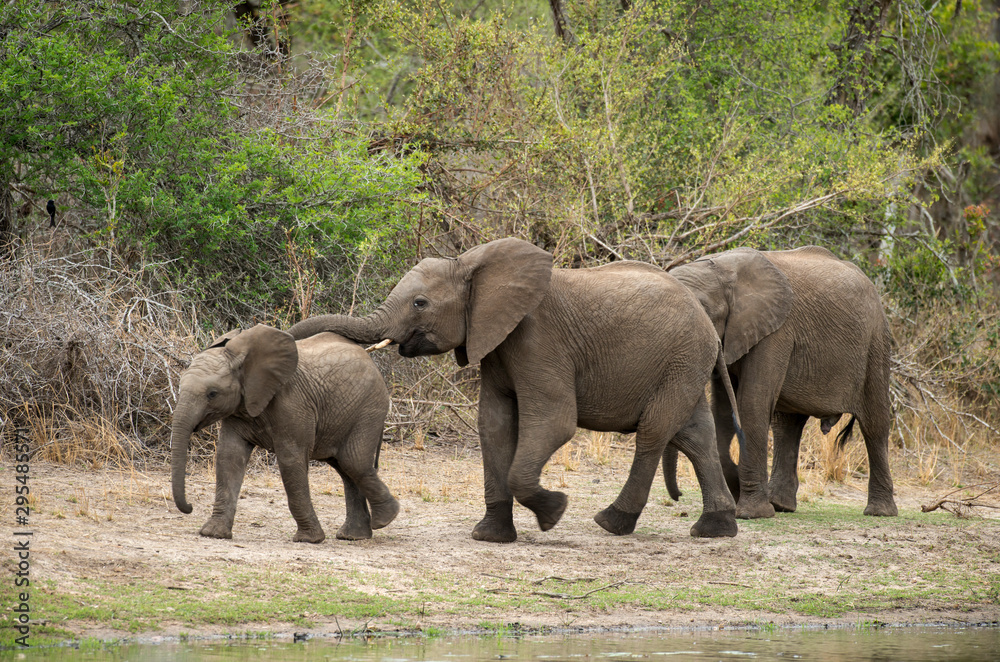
(269, 358)
(710, 287)
(507, 279)
(223, 340)
(759, 297)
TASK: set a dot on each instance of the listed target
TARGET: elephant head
(240, 368)
(745, 295)
(467, 304)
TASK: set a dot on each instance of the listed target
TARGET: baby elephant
(319, 399)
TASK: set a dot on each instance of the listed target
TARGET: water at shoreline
(916, 644)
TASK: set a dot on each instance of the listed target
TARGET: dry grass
(93, 350)
(91, 354)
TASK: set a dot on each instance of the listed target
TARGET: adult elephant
(604, 348)
(804, 334)
(318, 399)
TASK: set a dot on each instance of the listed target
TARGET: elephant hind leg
(875, 419)
(784, 482)
(698, 442)
(876, 433)
(357, 462)
(650, 445)
(696, 439)
(358, 523)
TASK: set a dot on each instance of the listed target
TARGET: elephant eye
(212, 394)
(420, 303)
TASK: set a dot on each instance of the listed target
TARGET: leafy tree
(167, 140)
(664, 127)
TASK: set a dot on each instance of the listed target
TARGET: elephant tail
(720, 367)
(723, 371)
(670, 471)
(845, 434)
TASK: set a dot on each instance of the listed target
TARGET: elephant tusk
(387, 341)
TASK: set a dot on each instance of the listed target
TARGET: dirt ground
(122, 527)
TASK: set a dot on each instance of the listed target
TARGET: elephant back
(340, 368)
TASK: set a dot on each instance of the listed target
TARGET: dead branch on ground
(964, 507)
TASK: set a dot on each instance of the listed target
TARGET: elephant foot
(881, 508)
(781, 506)
(314, 535)
(498, 525)
(720, 524)
(548, 507)
(783, 502)
(214, 528)
(617, 521)
(754, 507)
(354, 531)
(383, 513)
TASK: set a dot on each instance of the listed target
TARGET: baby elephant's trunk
(179, 436)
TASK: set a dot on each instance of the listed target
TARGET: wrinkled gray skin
(602, 349)
(318, 399)
(804, 335)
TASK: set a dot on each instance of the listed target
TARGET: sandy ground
(121, 527)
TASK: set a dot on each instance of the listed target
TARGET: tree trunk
(6, 220)
(559, 18)
(856, 53)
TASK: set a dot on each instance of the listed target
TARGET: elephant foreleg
(293, 465)
(784, 481)
(498, 439)
(231, 456)
(762, 373)
(358, 523)
(539, 435)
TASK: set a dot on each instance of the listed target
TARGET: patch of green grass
(245, 597)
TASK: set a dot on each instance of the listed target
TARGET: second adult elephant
(604, 349)
(804, 335)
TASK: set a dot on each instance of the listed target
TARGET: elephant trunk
(180, 434)
(366, 330)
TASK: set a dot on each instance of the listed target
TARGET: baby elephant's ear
(269, 359)
(223, 340)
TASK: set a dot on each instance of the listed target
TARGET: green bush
(169, 142)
